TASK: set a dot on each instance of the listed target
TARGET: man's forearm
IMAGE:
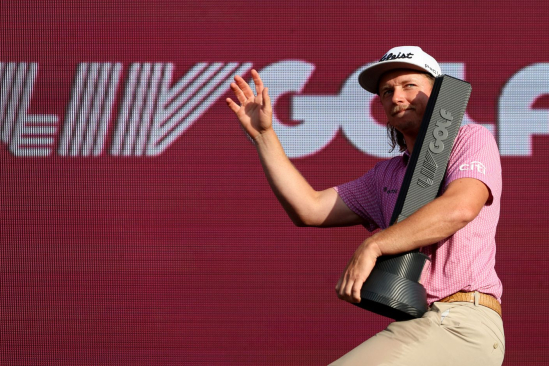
(432, 223)
(435, 221)
(293, 191)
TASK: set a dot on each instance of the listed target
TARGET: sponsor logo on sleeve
(475, 165)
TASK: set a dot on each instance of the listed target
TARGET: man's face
(404, 95)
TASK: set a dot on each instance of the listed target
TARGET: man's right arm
(304, 205)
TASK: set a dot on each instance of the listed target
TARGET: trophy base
(392, 295)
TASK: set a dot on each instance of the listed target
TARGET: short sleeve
(373, 196)
(475, 155)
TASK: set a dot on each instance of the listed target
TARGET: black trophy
(393, 289)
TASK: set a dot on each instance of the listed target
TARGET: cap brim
(369, 78)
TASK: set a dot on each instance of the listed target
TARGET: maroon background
(187, 258)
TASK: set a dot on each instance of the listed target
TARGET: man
(456, 230)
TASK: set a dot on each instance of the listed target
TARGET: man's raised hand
(254, 112)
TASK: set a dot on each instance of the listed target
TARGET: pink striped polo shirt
(464, 261)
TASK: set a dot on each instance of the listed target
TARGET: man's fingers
(244, 93)
(235, 107)
(258, 82)
(243, 85)
(259, 98)
(344, 287)
(351, 291)
(266, 99)
(357, 271)
(338, 288)
(239, 94)
(348, 288)
(355, 296)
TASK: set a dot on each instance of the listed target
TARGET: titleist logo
(392, 56)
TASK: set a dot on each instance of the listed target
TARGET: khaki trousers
(458, 333)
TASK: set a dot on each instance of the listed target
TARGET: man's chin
(405, 126)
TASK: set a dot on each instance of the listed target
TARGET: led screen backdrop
(136, 224)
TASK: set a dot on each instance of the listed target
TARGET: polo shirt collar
(406, 157)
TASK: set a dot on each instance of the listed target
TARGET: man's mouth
(396, 110)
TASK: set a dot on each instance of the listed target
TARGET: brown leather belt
(483, 299)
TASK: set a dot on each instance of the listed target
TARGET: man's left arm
(462, 201)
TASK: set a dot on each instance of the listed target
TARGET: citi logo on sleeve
(475, 165)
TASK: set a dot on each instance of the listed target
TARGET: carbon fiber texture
(392, 289)
(430, 165)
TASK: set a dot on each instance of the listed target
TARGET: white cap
(404, 57)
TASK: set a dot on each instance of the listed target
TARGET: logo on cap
(391, 56)
(431, 69)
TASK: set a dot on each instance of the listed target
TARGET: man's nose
(398, 96)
